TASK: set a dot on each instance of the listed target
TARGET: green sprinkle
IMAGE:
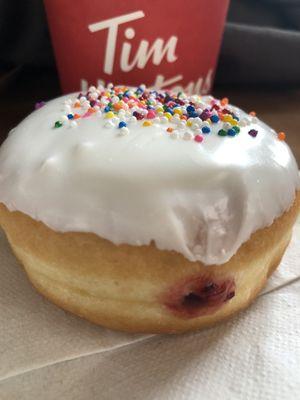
(236, 128)
(222, 132)
(58, 124)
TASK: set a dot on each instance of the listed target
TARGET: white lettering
(112, 26)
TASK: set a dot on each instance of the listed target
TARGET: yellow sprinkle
(178, 111)
(189, 123)
(168, 115)
(147, 123)
(227, 118)
(110, 114)
(233, 122)
(159, 109)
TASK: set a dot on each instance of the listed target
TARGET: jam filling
(198, 296)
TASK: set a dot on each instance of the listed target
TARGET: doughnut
(147, 211)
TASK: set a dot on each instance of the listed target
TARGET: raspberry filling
(198, 296)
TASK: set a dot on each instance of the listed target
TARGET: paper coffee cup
(161, 44)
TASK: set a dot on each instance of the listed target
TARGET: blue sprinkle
(169, 110)
(122, 124)
(70, 116)
(106, 109)
(214, 119)
(205, 129)
(193, 114)
(190, 109)
(231, 132)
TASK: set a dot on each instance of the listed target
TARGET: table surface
(280, 108)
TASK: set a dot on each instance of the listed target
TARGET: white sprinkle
(174, 135)
(93, 96)
(254, 120)
(195, 126)
(182, 125)
(205, 123)
(123, 131)
(64, 118)
(73, 124)
(160, 114)
(142, 86)
(188, 135)
(82, 99)
(110, 85)
(92, 89)
(109, 124)
(96, 108)
(133, 120)
(86, 104)
(164, 120)
(115, 99)
(226, 126)
(198, 131)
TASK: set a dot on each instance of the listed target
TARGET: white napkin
(49, 354)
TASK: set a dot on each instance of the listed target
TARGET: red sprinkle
(198, 138)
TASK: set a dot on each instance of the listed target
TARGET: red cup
(161, 44)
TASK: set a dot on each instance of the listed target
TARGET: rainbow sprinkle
(185, 117)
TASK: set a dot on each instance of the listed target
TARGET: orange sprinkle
(183, 117)
(170, 129)
(76, 116)
(77, 104)
(91, 110)
(281, 136)
(252, 113)
(118, 106)
(224, 101)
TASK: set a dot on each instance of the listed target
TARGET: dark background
(259, 65)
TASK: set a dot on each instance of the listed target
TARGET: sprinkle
(236, 128)
(164, 120)
(70, 116)
(122, 124)
(39, 104)
(281, 136)
(222, 132)
(168, 115)
(133, 120)
(58, 124)
(151, 114)
(231, 132)
(170, 129)
(198, 138)
(252, 113)
(224, 101)
(205, 129)
(147, 123)
(253, 132)
(174, 135)
(214, 119)
(73, 124)
(109, 124)
(110, 114)
(188, 136)
(124, 131)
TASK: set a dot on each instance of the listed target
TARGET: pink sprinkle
(86, 115)
(151, 114)
(198, 138)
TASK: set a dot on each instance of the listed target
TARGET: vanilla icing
(202, 200)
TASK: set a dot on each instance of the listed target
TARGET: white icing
(200, 199)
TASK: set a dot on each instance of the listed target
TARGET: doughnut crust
(141, 288)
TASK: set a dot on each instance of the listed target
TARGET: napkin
(50, 354)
